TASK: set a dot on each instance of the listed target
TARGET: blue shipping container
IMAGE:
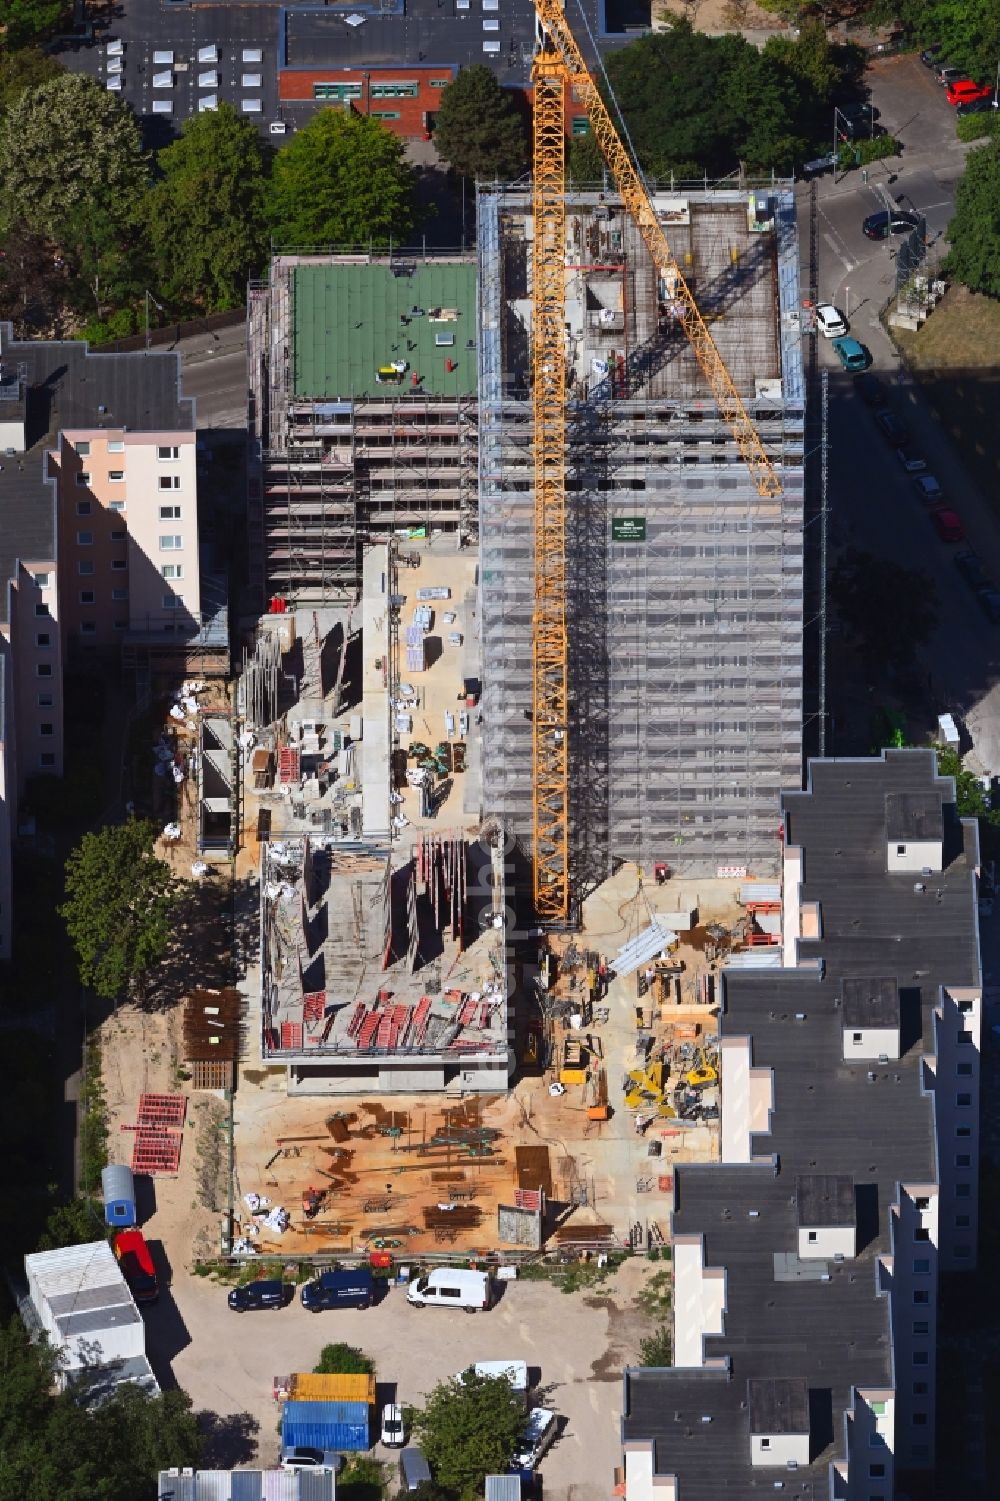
(326, 1425)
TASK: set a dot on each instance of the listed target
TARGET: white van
(447, 1287)
(539, 1433)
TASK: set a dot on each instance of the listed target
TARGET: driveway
(576, 1343)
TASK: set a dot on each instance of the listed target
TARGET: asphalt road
(873, 505)
(215, 373)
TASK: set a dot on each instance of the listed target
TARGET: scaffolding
(685, 584)
(328, 476)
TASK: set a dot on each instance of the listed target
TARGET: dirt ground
(577, 1344)
(715, 16)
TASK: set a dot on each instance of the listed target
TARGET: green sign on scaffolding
(628, 528)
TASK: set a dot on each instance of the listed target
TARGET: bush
(343, 1360)
(655, 1349)
(93, 1120)
(871, 149)
(974, 127)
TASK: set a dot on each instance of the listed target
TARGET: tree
(33, 281)
(971, 799)
(974, 231)
(344, 1360)
(30, 21)
(656, 1348)
(22, 70)
(890, 611)
(72, 1223)
(342, 180)
(67, 147)
(969, 30)
(478, 129)
(119, 902)
(207, 211)
(469, 1429)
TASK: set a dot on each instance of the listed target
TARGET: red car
(137, 1265)
(947, 524)
(964, 91)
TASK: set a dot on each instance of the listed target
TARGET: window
(920, 1420)
(43, 670)
(171, 602)
(119, 594)
(116, 445)
(384, 114)
(875, 1472)
(116, 476)
(170, 513)
(85, 539)
(900, 849)
(168, 481)
(171, 543)
(42, 580)
(963, 1190)
(922, 1266)
(168, 452)
(963, 1130)
(921, 1327)
(856, 1036)
(121, 625)
(83, 478)
(965, 1069)
(439, 83)
(86, 596)
(45, 728)
(581, 125)
(337, 92)
(920, 1357)
(83, 569)
(765, 1443)
(41, 609)
(920, 1388)
(119, 536)
(963, 1160)
(963, 1099)
(172, 570)
(83, 508)
(921, 1297)
(83, 449)
(88, 627)
(118, 565)
(45, 700)
(407, 89)
(42, 638)
(921, 1235)
(963, 1221)
(47, 759)
(812, 1237)
(116, 505)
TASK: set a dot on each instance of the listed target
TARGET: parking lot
(575, 1344)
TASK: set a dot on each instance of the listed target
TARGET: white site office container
(82, 1301)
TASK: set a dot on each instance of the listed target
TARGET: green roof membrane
(349, 322)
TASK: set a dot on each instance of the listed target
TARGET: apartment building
(86, 441)
(806, 1261)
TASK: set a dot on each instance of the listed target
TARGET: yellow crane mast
(549, 655)
(558, 63)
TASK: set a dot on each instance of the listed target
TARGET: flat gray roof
(825, 1199)
(871, 1001)
(913, 815)
(778, 1406)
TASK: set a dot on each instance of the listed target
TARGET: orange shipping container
(306, 1386)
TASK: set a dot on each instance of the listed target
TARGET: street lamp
(847, 302)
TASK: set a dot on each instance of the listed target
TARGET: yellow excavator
(702, 1074)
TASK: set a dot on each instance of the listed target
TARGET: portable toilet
(118, 1190)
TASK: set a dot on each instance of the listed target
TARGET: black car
(977, 106)
(893, 427)
(972, 569)
(870, 389)
(930, 55)
(989, 603)
(267, 1292)
(879, 226)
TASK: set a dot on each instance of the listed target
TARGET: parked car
(303, 1457)
(344, 1289)
(964, 91)
(540, 1431)
(977, 106)
(947, 524)
(870, 389)
(829, 322)
(392, 1426)
(945, 72)
(892, 427)
(972, 570)
(911, 462)
(861, 128)
(267, 1292)
(989, 603)
(137, 1265)
(881, 225)
(851, 354)
(820, 164)
(414, 1471)
(930, 55)
(928, 488)
(861, 109)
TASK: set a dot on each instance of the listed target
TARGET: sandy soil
(718, 15)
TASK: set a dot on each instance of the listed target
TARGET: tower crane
(559, 62)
